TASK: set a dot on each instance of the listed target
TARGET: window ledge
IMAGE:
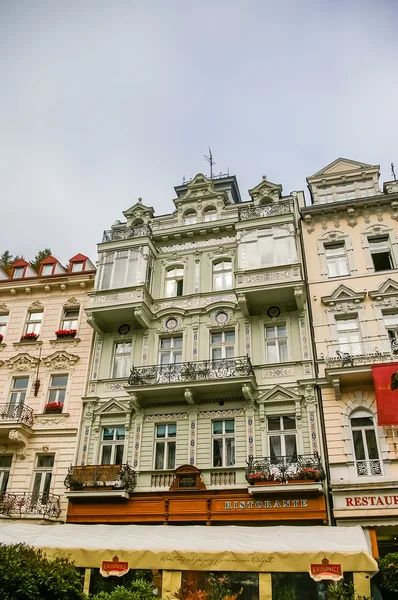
(28, 343)
(2, 346)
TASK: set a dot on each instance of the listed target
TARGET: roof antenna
(211, 161)
(393, 172)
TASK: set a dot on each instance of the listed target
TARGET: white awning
(223, 548)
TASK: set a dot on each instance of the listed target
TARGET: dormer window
(48, 269)
(210, 214)
(79, 263)
(366, 188)
(77, 267)
(19, 272)
(190, 217)
(345, 192)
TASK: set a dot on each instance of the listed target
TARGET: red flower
(54, 405)
(66, 332)
(30, 336)
(1, 337)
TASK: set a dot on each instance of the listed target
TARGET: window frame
(224, 437)
(110, 259)
(125, 355)
(4, 322)
(113, 444)
(388, 251)
(5, 472)
(44, 482)
(190, 217)
(29, 321)
(173, 350)
(366, 465)
(223, 345)
(210, 211)
(18, 391)
(65, 319)
(334, 260)
(58, 389)
(168, 442)
(282, 433)
(275, 326)
(351, 345)
(224, 273)
(177, 279)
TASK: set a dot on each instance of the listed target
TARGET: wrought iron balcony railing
(29, 503)
(113, 235)
(265, 210)
(202, 370)
(121, 477)
(282, 469)
(360, 353)
(366, 468)
(19, 413)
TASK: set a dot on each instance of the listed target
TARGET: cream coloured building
(350, 235)
(45, 344)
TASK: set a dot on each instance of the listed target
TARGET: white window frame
(68, 322)
(114, 443)
(345, 192)
(174, 281)
(19, 272)
(174, 351)
(352, 345)
(110, 265)
(224, 273)
(168, 441)
(4, 317)
(21, 393)
(60, 390)
(190, 217)
(78, 267)
(223, 437)
(40, 476)
(366, 189)
(366, 467)
(33, 325)
(279, 340)
(47, 269)
(282, 433)
(386, 250)
(5, 472)
(224, 345)
(336, 261)
(210, 214)
(125, 358)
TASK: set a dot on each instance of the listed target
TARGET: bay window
(119, 269)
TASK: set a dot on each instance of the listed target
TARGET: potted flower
(309, 474)
(66, 333)
(30, 337)
(53, 407)
(260, 478)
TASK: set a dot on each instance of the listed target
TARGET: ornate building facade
(201, 404)
(45, 344)
(350, 238)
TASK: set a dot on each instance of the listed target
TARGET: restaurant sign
(326, 570)
(114, 567)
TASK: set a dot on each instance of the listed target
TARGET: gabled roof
(19, 263)
(342, 294)
(265, 188)
(138, 209)
(50, 260)
(78, 258)
(342, 165)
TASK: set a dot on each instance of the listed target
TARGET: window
(174, 282)
(282, 437)
(18, 390)
(325, 196)
(190, 217)
(77, 267)
(345, 192)
(381, 253)
(276, 344)
(118, 269)
(42, 476)
(366, 188)
(112, 445)
(391, 325)
(170, 351)
(33, 323)
(57, 389)
(336, 260)
(121, 359)
(222, 344)
(222, 275)
(348, 334)
(5, 466)
(268, 250)
(70, 318)
(165, 446)
(224, 443)
(365, 445)
(18, 272)
(210, 214)
(47, 269)
(3, 323)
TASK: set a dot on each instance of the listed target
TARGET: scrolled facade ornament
(61, 360)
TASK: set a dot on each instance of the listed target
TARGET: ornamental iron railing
(121, 477)
(366, 468)
(29, 503)
(113, 235)
(282, 469)
(19, 413)
(265, 210)
(360, 353)
(223, 368)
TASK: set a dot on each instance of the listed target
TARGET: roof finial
(139, 200)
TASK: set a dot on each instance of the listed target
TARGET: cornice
(359, 204)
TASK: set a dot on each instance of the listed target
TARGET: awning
(200, 548)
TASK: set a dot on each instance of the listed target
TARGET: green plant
(26, 574)
(341, 591)
(389, 572)
(138, 590)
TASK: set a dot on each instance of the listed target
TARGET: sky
(105, 101)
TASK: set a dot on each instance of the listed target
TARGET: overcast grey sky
(105, 101)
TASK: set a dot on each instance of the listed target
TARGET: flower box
(29, 337)
(66, 333)
(53, 407)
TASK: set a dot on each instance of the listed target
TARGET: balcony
(303, 471)
(127, 233)
(100, 480)
(247, 213)
(16, 422)
(32, 504)
(215, 478)
(229, 376)
(108, 308)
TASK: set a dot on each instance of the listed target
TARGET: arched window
(210, 214)
(174, 284)
(190, 217)
(365, 444)
(222, 275)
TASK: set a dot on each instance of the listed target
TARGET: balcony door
(349, 336)
(365, 445)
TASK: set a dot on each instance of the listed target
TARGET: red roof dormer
(18, 269)
(50, 266)
(80, 263)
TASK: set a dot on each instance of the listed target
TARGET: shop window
(70, 318)
(365, 444)
(222, 344)
(42, 476)
(19, 387)
(276, 344)
(222, 275)
(223, 443)
(112, 445)
(380, 252)
(121, 359)
(235, 584)
(282, 438)
(33, 322)
(5, 466)
(174, 283)
(336, 259)
(165, 446)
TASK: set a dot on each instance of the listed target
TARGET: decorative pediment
(342, 165)
(60, 360)
(22, 362)
(113, 406)
(3, 307)
(36, 305)
(266, 190)
(387, 289)
(72, 302)
(279, 394)
(138, 211)
(198, 189)
(344, 294)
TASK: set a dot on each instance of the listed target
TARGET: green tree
(26, 574)
(6, 260)
(39, 257)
